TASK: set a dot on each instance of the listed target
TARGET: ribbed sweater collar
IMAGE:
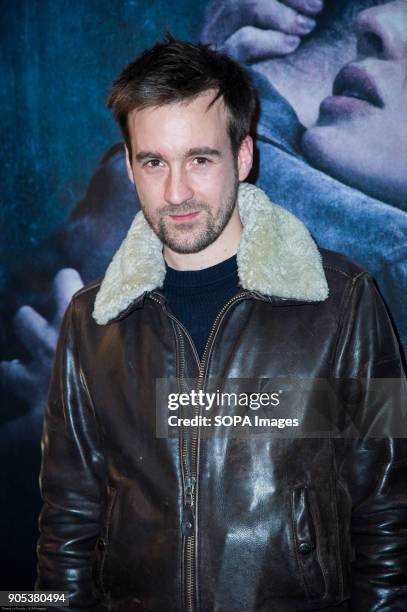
(177, 279)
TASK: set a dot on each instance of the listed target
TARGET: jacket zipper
(191, 468)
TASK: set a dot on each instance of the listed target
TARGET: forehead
(195, 122)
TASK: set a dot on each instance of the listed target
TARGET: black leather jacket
(132, 521)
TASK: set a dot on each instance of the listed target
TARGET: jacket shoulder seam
(342, 310)
(82, 376)
(86, 289)
(350, 276)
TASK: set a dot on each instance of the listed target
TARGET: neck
(225, 246)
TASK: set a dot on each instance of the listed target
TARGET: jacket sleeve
(71, 478)
(374, 465)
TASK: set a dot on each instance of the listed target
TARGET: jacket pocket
(306, 543)
(102, 543)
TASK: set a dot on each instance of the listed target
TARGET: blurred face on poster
(360, 136)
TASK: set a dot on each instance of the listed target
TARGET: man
(137, 522)
(89, 241)
(213, 280)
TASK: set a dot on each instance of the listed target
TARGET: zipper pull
(189, 518)
(189, 490)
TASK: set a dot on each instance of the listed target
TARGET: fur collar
(276, 257)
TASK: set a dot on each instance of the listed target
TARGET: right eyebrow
(143, 155)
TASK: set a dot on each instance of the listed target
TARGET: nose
(177, 188)
(382, 31)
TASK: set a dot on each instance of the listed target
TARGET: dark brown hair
(175, 71)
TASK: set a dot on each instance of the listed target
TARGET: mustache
(184, 208)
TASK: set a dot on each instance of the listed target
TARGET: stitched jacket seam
(342, 317)
(82, 376)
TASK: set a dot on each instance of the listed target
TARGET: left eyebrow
(203, 151)
(195, 152)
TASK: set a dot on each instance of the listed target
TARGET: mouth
(185, 217)
(355, 82)
(354, 94)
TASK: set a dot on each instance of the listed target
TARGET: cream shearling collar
(276, 257)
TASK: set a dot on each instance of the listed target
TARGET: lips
(355, 82)
(185, 216)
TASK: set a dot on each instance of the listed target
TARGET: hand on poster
(253, 30)
(29, 381)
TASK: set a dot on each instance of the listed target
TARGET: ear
(245, 158)
(128, 165)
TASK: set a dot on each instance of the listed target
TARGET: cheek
(209, 183)
(150, 197)
(149, 184)
(331, 147)
(376, 144)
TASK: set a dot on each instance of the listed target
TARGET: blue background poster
(338, 164)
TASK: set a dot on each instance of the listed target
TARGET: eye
(152, 163)
(201, 161)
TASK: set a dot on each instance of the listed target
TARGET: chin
(189, 247)
(321, 146)
(328, 150)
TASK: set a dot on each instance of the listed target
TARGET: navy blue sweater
(195, 297)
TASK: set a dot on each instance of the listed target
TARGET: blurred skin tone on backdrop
(360, 136)
(348, 91)
(280, 41)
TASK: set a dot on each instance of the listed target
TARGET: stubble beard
(182, 239)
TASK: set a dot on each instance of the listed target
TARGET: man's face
(361, 133)
(184, 170)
